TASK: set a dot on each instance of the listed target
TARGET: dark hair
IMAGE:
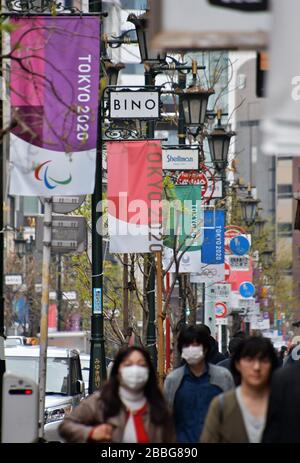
(110, 393)
(233, 344)
(191, 334)
(239, 334)
(254, 347)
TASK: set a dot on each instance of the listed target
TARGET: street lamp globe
(249, 207)
(20, 244)
(218, 142)
(141, 24)
(112, 71)
(194, 103)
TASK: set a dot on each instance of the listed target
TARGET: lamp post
(267, 257)
(112, 71)
(20, 244)
(194, 103)
(259, 224)
(218, 142)
(97, 359)
(142, 31)
(249, 207)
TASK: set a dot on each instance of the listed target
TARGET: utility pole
(125, 297)
(97, 360)
(181, 134)
(44, 312)
(151, 334)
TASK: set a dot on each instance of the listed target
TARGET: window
(285, 229)
(284, 191)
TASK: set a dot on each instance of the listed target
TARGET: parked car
(64, 384)
(15, 341)
(85, 367)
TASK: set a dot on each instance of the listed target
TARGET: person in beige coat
(239, 416)
(129, 409)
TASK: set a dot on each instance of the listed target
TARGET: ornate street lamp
(194, 104)
(142, 31)
(249, 207)
(267, 257)
(218, 142)
(112, 71)
(259, 224)
(20, 244)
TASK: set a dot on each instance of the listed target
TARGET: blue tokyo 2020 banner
(212, 251)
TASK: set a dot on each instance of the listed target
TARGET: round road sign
(220, 310)
(247, 289)
(239, 245)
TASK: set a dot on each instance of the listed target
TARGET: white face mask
(192, 354)
(134, 377)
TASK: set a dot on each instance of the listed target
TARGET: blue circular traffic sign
(239, 245)
(247, 289)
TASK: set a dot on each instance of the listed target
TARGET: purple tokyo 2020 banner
(54, 100)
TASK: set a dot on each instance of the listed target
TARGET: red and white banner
(134, 196)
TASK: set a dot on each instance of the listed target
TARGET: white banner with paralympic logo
(54, 82)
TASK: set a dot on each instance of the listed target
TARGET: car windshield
(57, 372)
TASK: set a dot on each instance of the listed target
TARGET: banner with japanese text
(54, 105)
(134, 196)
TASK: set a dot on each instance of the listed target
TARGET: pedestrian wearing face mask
(129, 409)
(190, 388)
(239, 416)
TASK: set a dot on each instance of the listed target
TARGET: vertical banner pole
(160, 328)
(125, 297)
(168, 328)
(98, 373)
(44, 312)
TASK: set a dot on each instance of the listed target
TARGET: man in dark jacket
(232, 346)
(214, 355)
(284, 407)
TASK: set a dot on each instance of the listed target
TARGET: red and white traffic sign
(227, 271)
(220, 309)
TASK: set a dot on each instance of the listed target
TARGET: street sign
(238, 263)
(220, 309)
(221, 291)
(11, 280)
(239, 245)
(134, 104)
(69, 234)
(180, 159)
(249, 305)
(65, 204)
(69, 295)
(247, 289)
(221, 321)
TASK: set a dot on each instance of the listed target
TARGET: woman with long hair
(130, 408)
(239, 416)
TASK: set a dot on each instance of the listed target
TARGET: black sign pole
(97, 374)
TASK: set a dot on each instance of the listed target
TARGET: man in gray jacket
(190, 388)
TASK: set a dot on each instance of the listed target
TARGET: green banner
(183, 218)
